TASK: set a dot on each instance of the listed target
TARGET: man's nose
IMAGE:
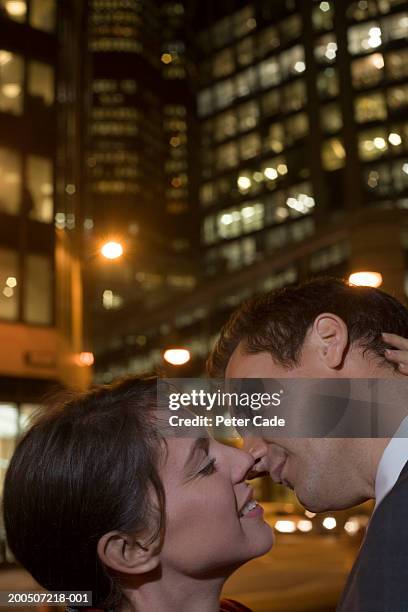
(256, 447)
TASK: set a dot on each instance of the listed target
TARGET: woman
(96, 499)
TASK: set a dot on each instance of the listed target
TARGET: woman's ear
(124, 553)
(330, 338)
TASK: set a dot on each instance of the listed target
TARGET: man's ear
(329, 337)
(124, 553)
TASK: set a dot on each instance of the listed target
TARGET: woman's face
(205, 496)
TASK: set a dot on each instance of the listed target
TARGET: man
(328, 329)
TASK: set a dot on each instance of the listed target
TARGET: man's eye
(209, 468)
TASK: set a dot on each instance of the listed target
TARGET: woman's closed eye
(209, 467)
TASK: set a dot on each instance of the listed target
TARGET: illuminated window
(296, 128)
(333, 154)
(243, 21)
(246, 218)
(41, 82)
(395, 27)
(9, 285)
(205, 102)
(223, 63)
(14, 9)
(358, 11)
(274, 168)
(367, 71)
(276, 238)
(364, 38)
(293, 61)
(11, 82)
(8, 436)
(397, 97)
(248, 115)
(208, 194)
(224, 93)
(245, 82)
(322, 16)
(245, 51)
(43, 15)
(371, 107)
(400, 174)
(398, 137)
(269, 73)
(40, 189)
(38, 290)
(226, 126)
(226, 156)
(372, 143)
(276, 210)
(331, 118)
(329, 257)
(326, 49)
(378, 179)
(275, 138)
(397, 64)
(271, 102)
(250, 145)
(268, 40)
(327, 83)
(300, 200)
(294, 96)
(10, 181)
(290, 28)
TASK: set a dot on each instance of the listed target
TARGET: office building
(40, 274)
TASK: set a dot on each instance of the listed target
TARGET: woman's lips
(254, 513)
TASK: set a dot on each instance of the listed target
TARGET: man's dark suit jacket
(379, 579)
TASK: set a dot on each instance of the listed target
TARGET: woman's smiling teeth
(248, 507)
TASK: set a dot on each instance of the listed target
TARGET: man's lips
(276, 472)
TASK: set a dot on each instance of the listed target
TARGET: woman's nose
(241, 464)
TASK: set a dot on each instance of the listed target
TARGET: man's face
(323, 472)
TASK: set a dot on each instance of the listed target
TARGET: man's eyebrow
(199, 444)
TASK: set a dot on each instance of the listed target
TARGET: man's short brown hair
(277, 322)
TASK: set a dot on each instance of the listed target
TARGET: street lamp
(112, 250)
(177, 356)
(84, 359)
(366, 279)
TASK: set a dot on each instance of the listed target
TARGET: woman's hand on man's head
(399, 353)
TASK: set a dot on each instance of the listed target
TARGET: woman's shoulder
(229, 605)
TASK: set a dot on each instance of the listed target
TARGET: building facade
(139, 132)
(40, 279)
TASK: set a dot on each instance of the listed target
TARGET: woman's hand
(399, 354)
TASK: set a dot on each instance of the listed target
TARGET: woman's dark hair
(86, 466)
(277, 322)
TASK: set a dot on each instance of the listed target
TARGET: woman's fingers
(397, 342)
(398, 355)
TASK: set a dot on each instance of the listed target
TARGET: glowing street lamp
(366, 279)
(177, 356)
(84, 359)
(112, 250)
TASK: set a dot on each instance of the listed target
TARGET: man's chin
(315, 505)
